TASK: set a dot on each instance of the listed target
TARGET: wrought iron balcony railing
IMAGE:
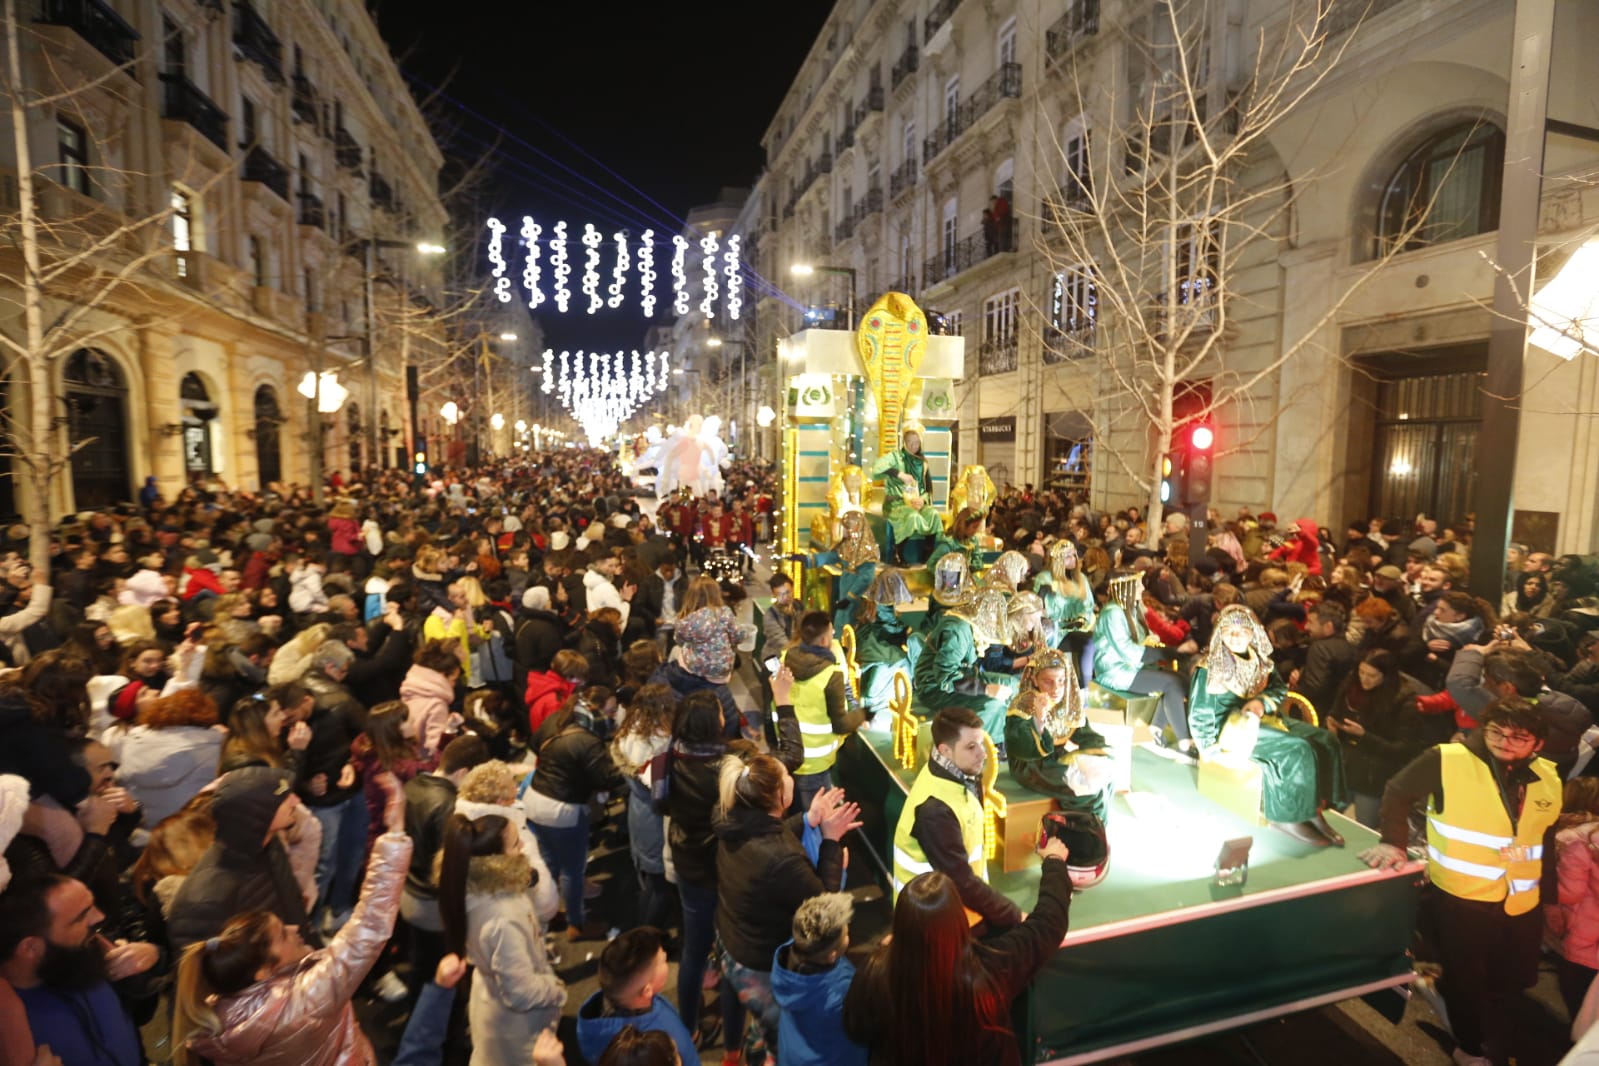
(937, 17)
(1004, 84)
(97, 23)
(256, 42)
(259, 166)
(904, 66)
(903, 179)
(1081, 20)
(182, 100)
(968, 251)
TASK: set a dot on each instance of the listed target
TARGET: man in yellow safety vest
(1491, 810)
(820, 704)
(941, 826)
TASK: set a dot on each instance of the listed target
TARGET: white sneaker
(389, 988)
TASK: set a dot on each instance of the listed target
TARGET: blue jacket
(595, 1030)
(88, 1027)
(811, 1030)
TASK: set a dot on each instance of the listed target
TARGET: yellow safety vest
(816, 727)
(909, 858)
(1473, 852)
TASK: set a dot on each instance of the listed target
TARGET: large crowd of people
(262, 755)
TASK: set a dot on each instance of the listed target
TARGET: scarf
(1458, 634)
(972, 784)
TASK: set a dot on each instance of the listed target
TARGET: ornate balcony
(256, 42)
(183, 101)
(1063, 345)
(903, 179)
(845, 228)
(904, 66)
(871, 104)
(937, 17)
(306, 102)
(382, 192)
(997, 355)
(311, 212)
(259, 166)
(1081, 20)
(96, 23)
(1004, 84)
(968, 251)
(870, 204)
(347, 151)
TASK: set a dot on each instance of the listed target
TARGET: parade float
(1208, 920)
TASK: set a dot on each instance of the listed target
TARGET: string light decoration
(591, 267)
(712, 289)
(502, 284)
(731, 269)
(618, 271)
(646, 273)
(680, 298)
(549, 366)
(602, 390)
(561, 270)
(531, 232)
(720, 264)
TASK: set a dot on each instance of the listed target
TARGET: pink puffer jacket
(302, 1016)
(1572, 922)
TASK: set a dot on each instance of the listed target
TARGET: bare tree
(1154, 231)
(74, 267)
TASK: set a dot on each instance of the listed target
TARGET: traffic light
(1171, 477)
(1199, 466)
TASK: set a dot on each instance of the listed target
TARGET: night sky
(603, 115)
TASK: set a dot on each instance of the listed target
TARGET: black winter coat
(336, 720)
(691, 801)
(429, 802)
(762, 877)
(574, 764)
(242, 870)
(39, 753)
(539, 635)
(1395, 731)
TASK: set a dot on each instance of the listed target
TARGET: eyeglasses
(1510, 736)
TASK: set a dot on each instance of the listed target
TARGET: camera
(1505, 633)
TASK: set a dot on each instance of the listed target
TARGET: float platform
(1159, 953)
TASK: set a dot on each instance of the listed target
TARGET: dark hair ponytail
(463, 839)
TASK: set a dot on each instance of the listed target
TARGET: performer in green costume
(884, 643)
(1124, 663)
(856, 555)
(1053, 749)
(1304, 768)
(908, 496)
(948, 673)
(1068, 602)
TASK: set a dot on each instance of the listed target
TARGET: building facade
(271, 178)
(1356, 311)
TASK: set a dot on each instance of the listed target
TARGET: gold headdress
(1226, 672)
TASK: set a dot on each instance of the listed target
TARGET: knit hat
(536, 598)
(125, 704)
(13, 804)
(559, 540)
(1391, 572)
(246, 800)
(258, 542)
(1267, 518)
(1423, 548)
(206, 558)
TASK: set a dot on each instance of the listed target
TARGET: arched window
(1447, 189)
(198, 413)
(95, 393)
(268, 442)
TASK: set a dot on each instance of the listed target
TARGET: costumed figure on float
(1126, 664)
(856, 557)
(907, 496)
(691, 458)
(845, 493)
(1052, 748)
(1235, 709)
(1068, 605)
(884, 643)
(949, 671)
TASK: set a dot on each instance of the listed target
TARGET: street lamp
(508, 336)
(497, 421)
(805, 270)
(371, 246)
(450, 412)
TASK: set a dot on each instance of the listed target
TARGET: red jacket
(1170, 633)
(545, 694)
(1304, 548)
(257, 569)
(201, 580)
(344, 536)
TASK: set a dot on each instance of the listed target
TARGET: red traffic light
(1201, 438)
